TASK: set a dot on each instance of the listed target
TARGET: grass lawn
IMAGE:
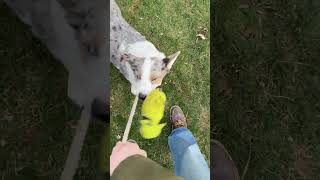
(36, 116)
(267, 92)
(171, 26)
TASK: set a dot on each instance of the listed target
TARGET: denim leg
(187, 158)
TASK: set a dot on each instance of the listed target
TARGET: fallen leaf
(118, 137)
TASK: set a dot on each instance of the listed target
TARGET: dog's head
(145, 66)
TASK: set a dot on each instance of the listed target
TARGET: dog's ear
(168, 61)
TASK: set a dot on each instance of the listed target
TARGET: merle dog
(137, 59)
(76, 33)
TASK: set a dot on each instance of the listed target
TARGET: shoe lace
(178, 123)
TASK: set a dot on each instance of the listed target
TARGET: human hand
(123, 150)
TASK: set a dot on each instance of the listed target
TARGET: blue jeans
(187, 159)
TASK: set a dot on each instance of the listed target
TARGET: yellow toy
(152, 113)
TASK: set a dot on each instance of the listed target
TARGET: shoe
(223, 167)
(177, 117)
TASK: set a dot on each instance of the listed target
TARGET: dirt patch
(204, 122)
(135, 6)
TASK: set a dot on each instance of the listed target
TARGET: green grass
(36, 116)
(267, 92)
(171, 26)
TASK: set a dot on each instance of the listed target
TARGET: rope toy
(129, 123)
(152, 113)
(73, 158)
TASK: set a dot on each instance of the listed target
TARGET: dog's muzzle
(142, 96)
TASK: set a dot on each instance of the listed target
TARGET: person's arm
(129, 162)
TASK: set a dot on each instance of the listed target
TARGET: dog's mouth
(100, 110)
(142, 96)
(146, 118)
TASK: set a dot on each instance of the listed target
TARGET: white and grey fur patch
(76, 34)
(51, 22)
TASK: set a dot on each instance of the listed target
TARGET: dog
(75, 32)
(137, 59)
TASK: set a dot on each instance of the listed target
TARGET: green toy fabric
(152, 112)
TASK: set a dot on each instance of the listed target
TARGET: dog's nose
(92, 50)
(100, 110)
(142, 96)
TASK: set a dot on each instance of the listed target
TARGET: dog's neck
(120, 30)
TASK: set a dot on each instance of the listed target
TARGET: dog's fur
(74, 31)
(136, 58)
